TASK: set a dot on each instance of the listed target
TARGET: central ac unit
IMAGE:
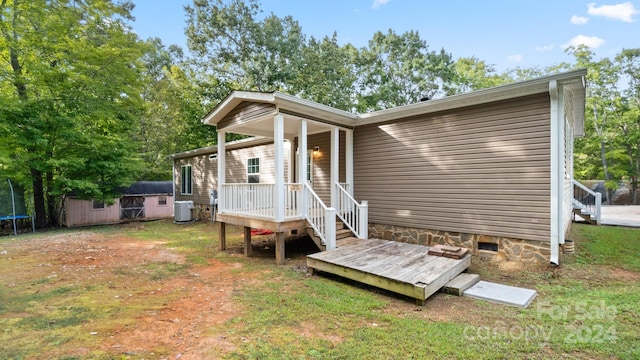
(182, 211)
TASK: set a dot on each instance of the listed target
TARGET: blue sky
(506, 34)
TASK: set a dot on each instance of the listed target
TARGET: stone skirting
(507, 248)
(201, 212)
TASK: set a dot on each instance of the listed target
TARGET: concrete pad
(502, 294)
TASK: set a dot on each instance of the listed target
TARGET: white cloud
(579, 20)
(515, 58)
(377, 3)
(592, 42)
(545, 48)
(623, 12)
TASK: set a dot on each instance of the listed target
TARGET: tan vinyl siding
(322, 163)
(482, 170)
(204, 171)
(246, 112)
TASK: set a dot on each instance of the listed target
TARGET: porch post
(302, 166)
(278, 191)
(302, 151)
(221, 170)
(335, 168)
(348, 154)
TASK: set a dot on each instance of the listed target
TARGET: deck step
(460, 283)
(343, 233)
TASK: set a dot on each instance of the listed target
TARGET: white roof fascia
(503, 92)
(232, 100)
(282, 101)
(314, 109)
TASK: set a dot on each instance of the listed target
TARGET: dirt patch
(183, 324)
(198, 299)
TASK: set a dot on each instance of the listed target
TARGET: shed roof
(148, 188)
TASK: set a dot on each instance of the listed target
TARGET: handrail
(353, 215)
(589, 200)
(320, 217)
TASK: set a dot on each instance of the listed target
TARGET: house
(144, 200)
(490, 170)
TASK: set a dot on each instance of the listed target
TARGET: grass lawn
(163, 291)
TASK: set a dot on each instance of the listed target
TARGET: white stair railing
(355, 216)
(587, 200)
(321, 218)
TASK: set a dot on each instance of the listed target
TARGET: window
(253, 170)
(185, 186)
(310, 166)
(97, 205)
(162, 200)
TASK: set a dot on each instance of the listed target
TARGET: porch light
(316, 150)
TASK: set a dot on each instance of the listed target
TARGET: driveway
(621, 215)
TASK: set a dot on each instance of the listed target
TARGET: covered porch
(288, 202)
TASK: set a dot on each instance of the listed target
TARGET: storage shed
(144, 200)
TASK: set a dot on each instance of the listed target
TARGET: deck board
(400, 267)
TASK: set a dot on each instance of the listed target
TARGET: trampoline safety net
(12, 205)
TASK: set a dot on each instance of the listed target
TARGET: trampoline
(12, 206)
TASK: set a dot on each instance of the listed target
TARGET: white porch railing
(589, 202)
(321, 218)
(301, 202)
(254, 199)
(257, 200)
(355, 216)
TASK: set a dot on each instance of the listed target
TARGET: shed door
(132, 207)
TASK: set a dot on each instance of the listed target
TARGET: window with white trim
(253, 170)
(162, 201)
(98, 205)
(185, 180)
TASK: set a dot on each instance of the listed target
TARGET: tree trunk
(605, 167)
(38, 198)
(51, 202)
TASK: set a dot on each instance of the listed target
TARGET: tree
(231, 43)
(70, 98)
(603, 109)
(471, 74)
(327, 73)
(629, 62)
(396, 70)
(174, 104)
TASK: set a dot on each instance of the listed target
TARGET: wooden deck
(399, 267)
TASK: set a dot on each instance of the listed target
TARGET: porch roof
(291, 107)
(237, 144)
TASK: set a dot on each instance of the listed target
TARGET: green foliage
(396, 70)
(473, 74)
(70, 98)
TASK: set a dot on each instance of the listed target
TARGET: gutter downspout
(557, 170)
(173, 184)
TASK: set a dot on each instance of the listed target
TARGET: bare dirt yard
(134, 296)
(164, 291)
